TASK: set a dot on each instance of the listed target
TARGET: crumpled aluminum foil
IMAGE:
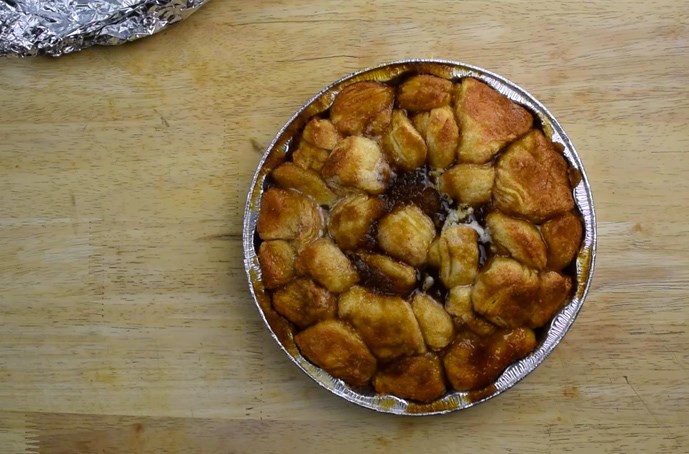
(57, 27)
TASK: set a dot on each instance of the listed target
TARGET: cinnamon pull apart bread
(419, 235)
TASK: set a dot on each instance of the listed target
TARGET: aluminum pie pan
(550, 335)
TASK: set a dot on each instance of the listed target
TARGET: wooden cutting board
(126, 323)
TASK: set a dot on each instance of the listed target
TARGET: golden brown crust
(406, 234)
(304, 303)
(402, 144)
(504, 292)
(327, 265)
(288, 215)
(321, 133)
(512, 295)
(357, 162)
(488, 121)
(362, 108)
(421, 121)
(351, 219)
(563, 236)
(531, 180)
(277, 263)
(418, 378)
(553, 290)
(424, 92)
(386, 323)
(441, 132)
(308, 156)
(458, 305)
(473, 363)
(463, 363)
(456, 253)
(519, 239)
(291, 176)
(468, 183)
(435, 323)
(386, 274)
(337, 349)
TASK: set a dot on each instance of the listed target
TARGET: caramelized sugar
(416, 188)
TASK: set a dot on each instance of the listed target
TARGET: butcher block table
(126, 322)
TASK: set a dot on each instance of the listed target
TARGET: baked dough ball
(277, 259)
(418, 378)
(288, 215)
(563, 235)
(458, 302)
(309, 156)
(424, 92)
(553, 291)
(327, 265)
(385, 274)
(336, 348)
(468, 183)
(511, 295)
(362, 108)
(291, 176)
(303, 302)
(435, 323)
(488, 121)
(439, 128)
(402, 144)
(531, 180)
(455, 253)
(357, 162)
(321, 133)
(473, 362)
(458, 305)
(386, 323)
(519, 239)
(406, 234)
(504, 292)
(351, 219)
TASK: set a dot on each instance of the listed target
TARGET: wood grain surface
(126, 324)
